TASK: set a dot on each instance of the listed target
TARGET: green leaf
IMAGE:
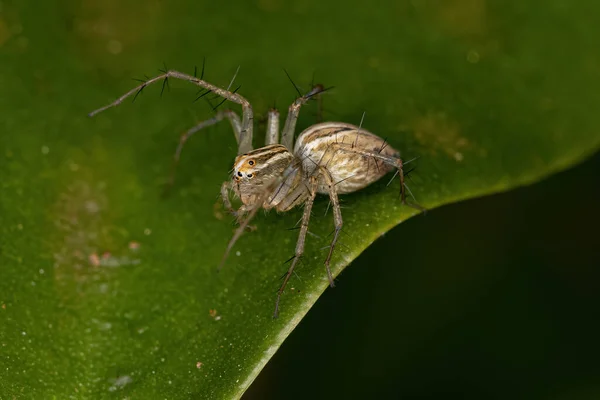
(110, 290)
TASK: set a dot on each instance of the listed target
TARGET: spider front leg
(240, 212)
(219, 116)
(245, 133)
(301, 240)
(225, 188)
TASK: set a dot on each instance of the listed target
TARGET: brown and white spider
(329, 158)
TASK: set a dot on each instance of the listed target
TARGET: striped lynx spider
(328, 158)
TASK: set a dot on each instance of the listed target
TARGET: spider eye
(239, 173)
(249, 175)
(251, 162)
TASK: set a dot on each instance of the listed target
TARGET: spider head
(255, 172)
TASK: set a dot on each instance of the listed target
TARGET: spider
(329, 158)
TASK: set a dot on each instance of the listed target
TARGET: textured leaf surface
(107, 289)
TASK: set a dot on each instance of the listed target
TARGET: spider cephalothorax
(256, 171)
(329, 158)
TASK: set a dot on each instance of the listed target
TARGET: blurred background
(492, 298)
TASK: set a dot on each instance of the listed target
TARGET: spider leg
(389, 160)
(272, 136)
(238, 232)
(240, 212)
(287, 136)
(235, 125)
(337, 218)
(225, 188)
(245, 133)
(301, 241)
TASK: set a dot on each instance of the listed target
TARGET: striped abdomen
(327, 145)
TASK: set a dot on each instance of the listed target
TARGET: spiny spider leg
(234, 119)
(287, 136)
(245, 137)
(301, 240)
(337, 218)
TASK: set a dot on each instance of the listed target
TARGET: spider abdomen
(336, 146)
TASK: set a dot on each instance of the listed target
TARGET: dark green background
(494, 298)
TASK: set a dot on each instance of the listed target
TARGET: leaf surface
(110, 290)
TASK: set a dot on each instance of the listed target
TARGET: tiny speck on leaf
(94, 259)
